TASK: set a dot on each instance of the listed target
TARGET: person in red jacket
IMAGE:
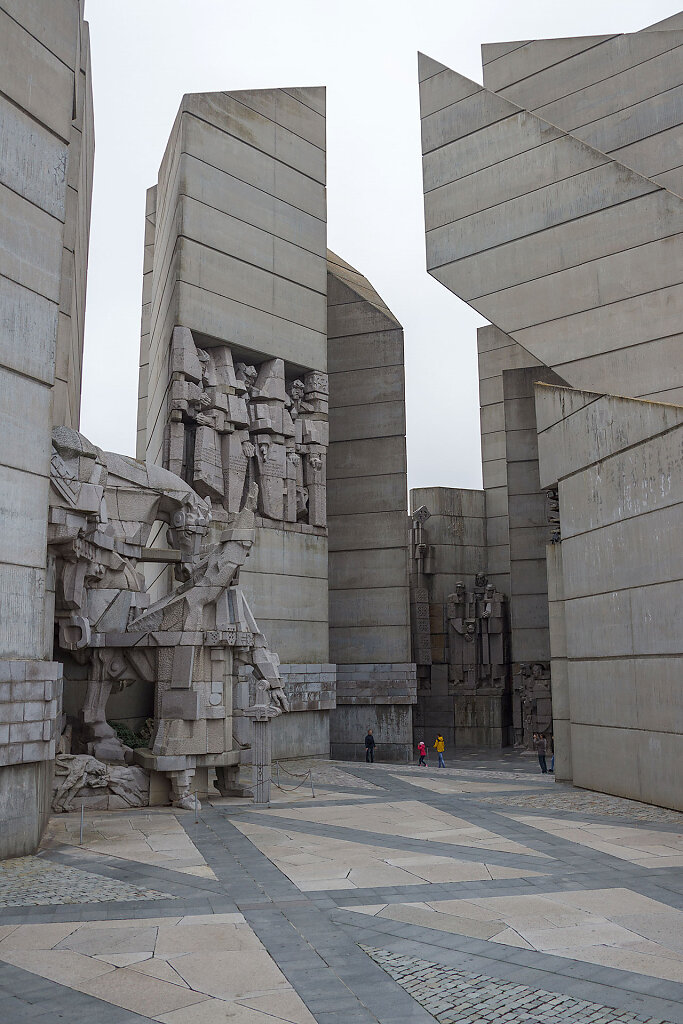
(422, 751)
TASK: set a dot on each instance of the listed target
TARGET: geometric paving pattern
(471, 913)
(564, 797)
(453, 996)
(30, 881)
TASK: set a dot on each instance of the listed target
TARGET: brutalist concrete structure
(125, 594)
(245, 314)
(553, 207)
(234, 356)
(45, 190)
(368, 526)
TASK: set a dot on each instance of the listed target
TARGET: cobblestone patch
(329, 772)
(470, 773)
(32, 881)
(562, 797)
(453, 996)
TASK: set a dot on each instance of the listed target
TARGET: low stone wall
(378, 697)
(305, 729)
(310, 687)
(377, 684)
(30, 704)
(30, 701)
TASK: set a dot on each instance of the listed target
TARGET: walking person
(440, 746)
(422, 751)
(370, 748)
(541, 747)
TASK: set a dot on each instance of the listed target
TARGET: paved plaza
(484, 892)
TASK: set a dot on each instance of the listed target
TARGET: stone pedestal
(261, 763)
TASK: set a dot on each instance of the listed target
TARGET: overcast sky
(147, 53)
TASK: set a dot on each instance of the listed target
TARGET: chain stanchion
(306, 777)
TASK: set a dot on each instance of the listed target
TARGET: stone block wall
(30, 709)
(617, 590)
(311, 692)
(454, 536)
(553, 207)
(45, 187)
(569, 242)
(310, 687)
(377, 684)
(235, 256)
(367, 504)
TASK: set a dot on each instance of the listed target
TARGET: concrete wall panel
(366, 469)
(372, 494)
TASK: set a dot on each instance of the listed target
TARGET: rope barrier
(293, 774)
(308, 776)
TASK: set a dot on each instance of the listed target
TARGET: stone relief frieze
(231, 424)
(477, 637)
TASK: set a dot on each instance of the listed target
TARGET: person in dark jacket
(370, 747)
(541, 747)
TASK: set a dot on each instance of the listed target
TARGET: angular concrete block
(23, 512)
(30, 245)
(355, 422)
(364, 457)
(32, 160)
(34, 78)
(364, 352)
(385, 493)
(370, 607)
(354, 643)
(26, 438)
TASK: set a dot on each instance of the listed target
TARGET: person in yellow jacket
(440, 746)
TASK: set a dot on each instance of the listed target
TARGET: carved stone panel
(232, 424)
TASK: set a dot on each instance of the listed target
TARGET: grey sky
(147, 53)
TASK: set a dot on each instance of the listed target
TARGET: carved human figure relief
(231, 425)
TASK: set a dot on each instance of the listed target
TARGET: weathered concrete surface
(235, 251)
(565, 238)
(46, 150)
(617, 589)
(553, 207)
(391, 726)
(367, 498)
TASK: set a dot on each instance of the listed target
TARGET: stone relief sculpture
(234, 424)
(477, 637)
(419, 592)
(532, 707)
(80, 778)
(552, 508)
(186, 645)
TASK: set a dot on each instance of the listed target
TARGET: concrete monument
(553, 207)
(45, 192)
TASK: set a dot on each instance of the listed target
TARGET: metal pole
(310, 772)
(277, 773)
(80, 841)
(196, 809)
